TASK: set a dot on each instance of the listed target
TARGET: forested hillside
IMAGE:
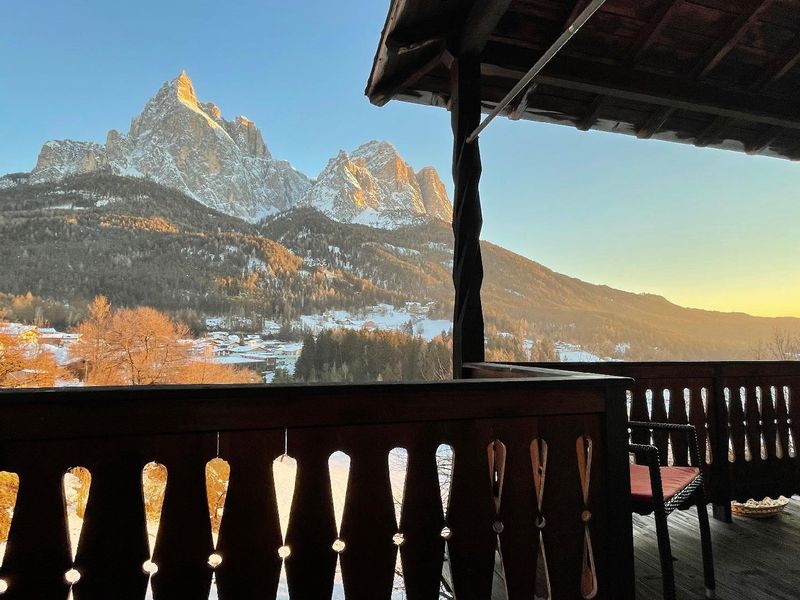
(521, 296)
(140, 243)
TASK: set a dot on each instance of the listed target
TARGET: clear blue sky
(706, 228)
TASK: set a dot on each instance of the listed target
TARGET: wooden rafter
(764, 142)
(521, 105)
(645, 40)
(657, 90)
(654, 122)
(710, 60)
(774, 72)
(481, 21)
(576, 10)
(778, 68)
(590, 118)
(712, 131)
(644, 66)
(730, 38)
(388, 89)
(653, 29)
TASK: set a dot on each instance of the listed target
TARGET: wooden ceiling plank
(727, 42)
(668, 92)
(773, 73)
(778, 68)
(653, 29)
(576, 10)
(481, 21)
(519, 108)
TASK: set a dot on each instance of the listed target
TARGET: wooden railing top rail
(682, 370)
(68, 413)
(539, 372)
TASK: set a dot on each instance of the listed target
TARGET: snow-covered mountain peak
(376, 149)
(184, 143)
(185, 89)
(375, 186)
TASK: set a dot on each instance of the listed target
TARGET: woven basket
(759, 509)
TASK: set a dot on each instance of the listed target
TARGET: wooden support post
(617, 490)
(720, 468)
(465, 116)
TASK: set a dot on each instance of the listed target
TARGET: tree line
(359, 356)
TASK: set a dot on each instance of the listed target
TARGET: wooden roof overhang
(719, 73)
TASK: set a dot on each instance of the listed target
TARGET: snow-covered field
(381, 317)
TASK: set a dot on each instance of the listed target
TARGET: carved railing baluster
(196, 522)
(542, 589)
(496, 453)
(584, 451)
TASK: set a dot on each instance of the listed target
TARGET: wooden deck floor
(754, 559)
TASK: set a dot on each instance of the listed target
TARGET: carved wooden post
(720, 468)
(465, 79)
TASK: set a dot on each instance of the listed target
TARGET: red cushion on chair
(673, 480)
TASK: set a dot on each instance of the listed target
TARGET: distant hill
(417, 261)
(139, 242)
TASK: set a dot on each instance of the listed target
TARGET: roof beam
(537, 67)
(654, 123)
(481, 21)
(733, 34)
(590, 117)
(764, 142)
(388, 90)
(778, 68)
(657, 90)
(710, 60)
(651, 31)
(712, 131)
(773, 73)
(518, 109)
(575, 12)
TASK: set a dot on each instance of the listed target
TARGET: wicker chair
(661, 490)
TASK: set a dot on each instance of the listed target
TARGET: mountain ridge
(186, 144)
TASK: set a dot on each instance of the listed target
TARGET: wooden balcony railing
(534, 466)
(747, 417)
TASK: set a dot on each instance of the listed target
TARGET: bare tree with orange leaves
(24, 365)
(143, 346)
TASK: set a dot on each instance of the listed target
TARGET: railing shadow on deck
(537, 476)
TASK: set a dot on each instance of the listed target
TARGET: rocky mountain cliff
(375, 186)
(188, 145)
